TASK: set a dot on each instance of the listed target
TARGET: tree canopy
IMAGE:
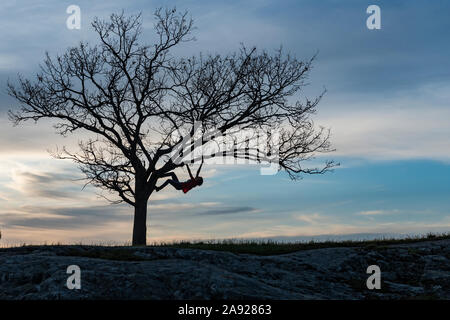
(134, 98)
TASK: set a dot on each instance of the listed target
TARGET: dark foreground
(419, 270)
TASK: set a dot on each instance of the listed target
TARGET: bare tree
(134, 97)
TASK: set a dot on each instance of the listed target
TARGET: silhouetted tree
(134, 97)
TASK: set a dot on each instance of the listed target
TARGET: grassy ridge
(273, 247)
(266, 247)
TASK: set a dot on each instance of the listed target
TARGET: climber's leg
(174, 182)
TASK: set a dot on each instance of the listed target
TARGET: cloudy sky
(387, 105)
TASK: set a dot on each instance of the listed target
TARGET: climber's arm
(190, 173)
(199, 168)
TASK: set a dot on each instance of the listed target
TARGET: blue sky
(387, 105)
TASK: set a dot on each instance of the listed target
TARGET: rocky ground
(408, 271)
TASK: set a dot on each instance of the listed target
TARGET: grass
(117, 254)
(122, 252)
(274, 248)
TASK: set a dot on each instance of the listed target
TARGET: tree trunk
(140, 222)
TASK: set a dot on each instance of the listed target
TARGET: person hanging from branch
(187, 185)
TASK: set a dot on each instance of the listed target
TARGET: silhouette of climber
(184, 185)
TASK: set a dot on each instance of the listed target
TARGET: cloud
(44, 185)
(173, 208)
(8, 62)
(377, 212)
(95, 215)
(66, 218)
(310, 218)
(399, 124)
(372, 212)
(228, 210)
(414, 126)
(30, 140)
(396, 227)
